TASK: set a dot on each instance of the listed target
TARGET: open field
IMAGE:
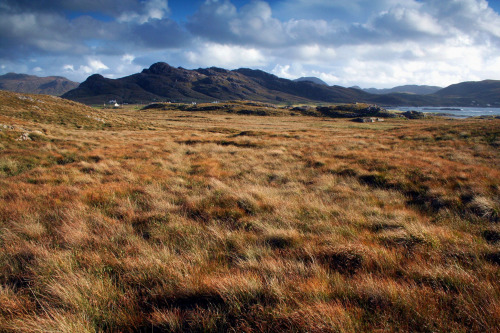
(165, 220)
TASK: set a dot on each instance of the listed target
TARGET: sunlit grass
(171, 220)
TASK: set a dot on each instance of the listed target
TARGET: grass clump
(343, 260)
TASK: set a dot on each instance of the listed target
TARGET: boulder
(24, 137)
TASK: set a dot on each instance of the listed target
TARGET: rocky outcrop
(413, 115)
(355, 111)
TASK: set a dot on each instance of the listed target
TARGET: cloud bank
(361, 42)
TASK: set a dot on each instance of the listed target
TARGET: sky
(368, 43)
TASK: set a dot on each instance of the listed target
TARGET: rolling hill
(31, 84)
(37, 111)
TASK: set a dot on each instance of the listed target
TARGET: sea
(459, 112)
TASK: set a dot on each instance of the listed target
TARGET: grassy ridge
(171, 220)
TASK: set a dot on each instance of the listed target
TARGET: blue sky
(495, 4)
(370, 43)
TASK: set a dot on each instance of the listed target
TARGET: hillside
(201, 220)
(476, 93)
(482, 92)
(30, 84)
(46, 110)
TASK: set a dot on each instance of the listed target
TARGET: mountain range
(162, 82)
(31, 84)
(407, 89)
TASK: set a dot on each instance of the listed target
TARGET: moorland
(245, 219)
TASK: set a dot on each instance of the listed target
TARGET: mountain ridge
(408, 89)
(481, 92)
(162, 82)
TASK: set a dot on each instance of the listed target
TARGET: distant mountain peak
(160, 68)
(311, 79)
(94, 77)
(14, 76)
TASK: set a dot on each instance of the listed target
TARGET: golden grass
(168, 220)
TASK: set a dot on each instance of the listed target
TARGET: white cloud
(435, 65)
(296, 70)
(96, 65)
(285, 71)
(151, 10)
(329, 78)
(128, 58)
(228, 56)
(302, 30)
(69, 68)
(81, 71)
(256, 23)
(402, 21)
(315, 54)
(341, 10)
(470, 17)
(86, 70)
(53, 45)
(125, 67)
(356, 42)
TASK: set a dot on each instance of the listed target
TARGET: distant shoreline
(462, 112)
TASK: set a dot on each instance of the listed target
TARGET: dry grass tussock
(168, 220)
